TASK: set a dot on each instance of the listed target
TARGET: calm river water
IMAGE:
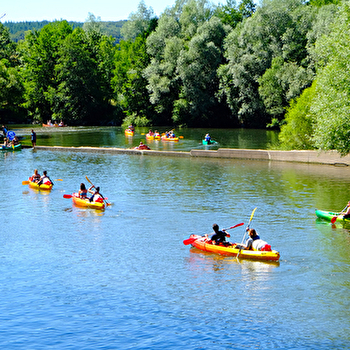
(122, 279)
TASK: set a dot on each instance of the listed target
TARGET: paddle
(70, 196)
(251, 218)
(100, 193)
(190, 240)
(334, 218)
(27, 182)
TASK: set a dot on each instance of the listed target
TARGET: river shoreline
(313, 157)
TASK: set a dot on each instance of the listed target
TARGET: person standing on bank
(33, 138)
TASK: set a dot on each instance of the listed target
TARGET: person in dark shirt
(219, 236)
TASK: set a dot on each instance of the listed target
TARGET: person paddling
(96, 195)
(219, 236)
(45, 179)
(254, 242)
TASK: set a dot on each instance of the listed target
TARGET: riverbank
(313, 157)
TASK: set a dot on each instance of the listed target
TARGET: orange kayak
(129, 132)
(231, 249)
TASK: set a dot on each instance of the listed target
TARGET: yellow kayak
(47, 186)
(85, 203)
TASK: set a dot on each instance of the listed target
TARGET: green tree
(40, 54)
(331, 104)
(196, 67)
(138, 23)
(84, 92)
(300, 122)
(11, 84)
(250, 50)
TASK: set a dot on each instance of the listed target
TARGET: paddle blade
(189, 241)
(334, 219)
(240, 224)
(58, 180)
(67, 196)
(251, 216)
(25, 182)
(181, 137)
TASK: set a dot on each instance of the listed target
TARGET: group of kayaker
(36, 177)
(252, 243)
(96, 196)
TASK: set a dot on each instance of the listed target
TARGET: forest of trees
(280, 64)
(18, 29)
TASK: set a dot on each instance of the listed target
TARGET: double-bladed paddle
(27, 182)
(191, 240)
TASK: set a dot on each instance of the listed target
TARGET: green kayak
(210, 142)
(328, 215)
(11, 148)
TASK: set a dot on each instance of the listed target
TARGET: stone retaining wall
(315, 157)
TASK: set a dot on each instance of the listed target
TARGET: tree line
(18, 29)
(281, 64)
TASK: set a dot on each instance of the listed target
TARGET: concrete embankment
(315, 157)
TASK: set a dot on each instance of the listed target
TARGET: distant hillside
(17, 29)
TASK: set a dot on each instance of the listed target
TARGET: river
(122, 278)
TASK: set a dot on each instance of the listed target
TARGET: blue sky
(75, 10)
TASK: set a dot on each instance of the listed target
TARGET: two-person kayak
(47, 186)
(231, 249)
(85, 203)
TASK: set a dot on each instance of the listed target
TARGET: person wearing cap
(219, 236)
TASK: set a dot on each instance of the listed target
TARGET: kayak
(200, 242)
(164, 138)
(85, 203)
(152, 137)
(129, 132)
(210, 142)
(328, 215)
(53, 126)
(47, 186)
(11, 148)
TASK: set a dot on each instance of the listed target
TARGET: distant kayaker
(254, 242)
(346, 212)
(207, 138)
(96, 195)
(44, 178)
(36, 176)
(219, 236)
(142, 146)
(83, 191)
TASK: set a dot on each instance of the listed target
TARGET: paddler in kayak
(346, 212)
(82, 191)
(254, 242)
(219, 236)
(36, 176)
(44, 178)
(96, 195)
